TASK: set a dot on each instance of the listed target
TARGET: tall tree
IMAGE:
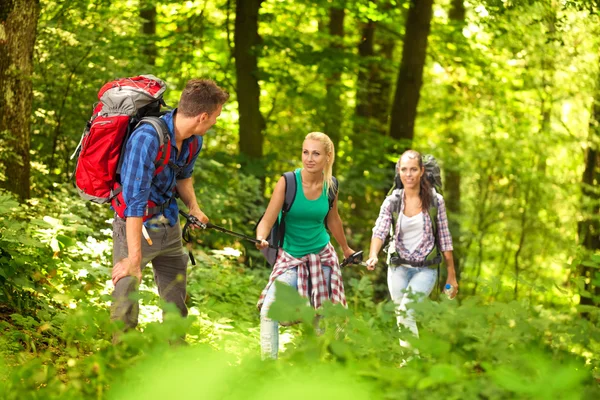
(333, 117)
(453, 129)
(18, 23)
(246, 41)
(374, 80)
(589, 228)
(410, 75)
(373, 94)
(148, 15)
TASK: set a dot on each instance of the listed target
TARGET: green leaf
(7, 203)
(65, 241)
(591, 264)
(289, 305)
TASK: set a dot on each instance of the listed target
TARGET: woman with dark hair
(417, 214)
(307, 261)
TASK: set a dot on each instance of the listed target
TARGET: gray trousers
(169, 262)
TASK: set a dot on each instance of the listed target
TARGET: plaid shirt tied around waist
(310, 268)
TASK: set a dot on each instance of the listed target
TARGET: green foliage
(41, 257)
(500, 350)
(228, 196)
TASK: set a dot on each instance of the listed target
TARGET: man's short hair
(201, 96)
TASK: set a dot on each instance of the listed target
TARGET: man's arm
(131, 265)
(136, 178)
(185, 188)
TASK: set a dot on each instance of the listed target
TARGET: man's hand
(196, 212)
(372, 262)
(126, 267)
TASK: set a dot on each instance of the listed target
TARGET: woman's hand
(372, 262)
(263, 243)
(452, 281)
(348, 252)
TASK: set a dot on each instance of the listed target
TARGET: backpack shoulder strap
(164, 152)
(159, 125)
(290, 190)
(433, 213)
(396, 200)
(333, 192)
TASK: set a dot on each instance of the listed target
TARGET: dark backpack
(124, 105)
(277, 233)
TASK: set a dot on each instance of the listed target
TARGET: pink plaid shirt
(309, 267)
(382, 229)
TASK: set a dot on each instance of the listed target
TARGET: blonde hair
(330, 152)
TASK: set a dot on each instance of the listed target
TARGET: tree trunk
(148, 15)
(18, 23)
(453, 130)
(457, 12)
(410, 76)
(333, 119)
(246, 41)
(373, 94)
(374, 82)
(589, 228)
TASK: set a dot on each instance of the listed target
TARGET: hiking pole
(191, 220)
(354, 258)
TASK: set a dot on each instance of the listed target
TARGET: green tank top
(305, 231)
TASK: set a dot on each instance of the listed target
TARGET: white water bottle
(448, 289)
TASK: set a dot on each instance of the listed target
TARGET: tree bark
(246, 41)
(18, 24)
(148, 15)
(410, 76)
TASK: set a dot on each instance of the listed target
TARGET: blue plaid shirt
(137, 171)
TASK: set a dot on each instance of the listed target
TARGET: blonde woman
(307, 261)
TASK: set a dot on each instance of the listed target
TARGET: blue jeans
(269, 329)
(404, 280)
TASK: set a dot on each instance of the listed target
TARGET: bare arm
(380, 232)
(376, 245)
(334, 223)
(448, 256)
(185, 188)
(271, 214)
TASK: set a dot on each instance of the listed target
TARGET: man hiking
(146, 224)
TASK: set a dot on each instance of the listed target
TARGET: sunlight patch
(227, 252)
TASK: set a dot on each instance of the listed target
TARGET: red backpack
(124, 104)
